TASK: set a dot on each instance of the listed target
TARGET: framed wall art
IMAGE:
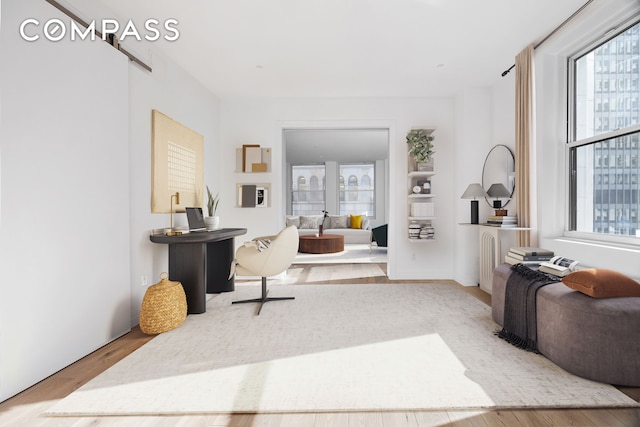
(177, 165)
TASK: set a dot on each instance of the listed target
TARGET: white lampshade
(498, 191)
(474, 191)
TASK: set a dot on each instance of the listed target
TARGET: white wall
(382, 193)
(474, 136)
(550, 65)
(76, 191)
(503, 132)
(64, 245)
(260, 121)
(172, 91)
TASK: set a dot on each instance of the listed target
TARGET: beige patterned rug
(335, 348)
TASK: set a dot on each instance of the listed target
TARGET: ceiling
(342, 48)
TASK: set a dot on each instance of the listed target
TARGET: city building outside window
(604, 133)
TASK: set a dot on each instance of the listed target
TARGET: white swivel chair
(267, 256)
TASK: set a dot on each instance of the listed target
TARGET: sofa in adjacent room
(587, 323)
(354, 228)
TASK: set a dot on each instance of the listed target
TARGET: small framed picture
(261, 197)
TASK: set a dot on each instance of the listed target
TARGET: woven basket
(164, 306)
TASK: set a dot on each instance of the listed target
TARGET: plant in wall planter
(421, 148)
(212, 222)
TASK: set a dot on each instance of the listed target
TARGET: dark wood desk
(201, 262)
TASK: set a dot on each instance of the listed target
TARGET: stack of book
(527, 255)
(503, 220)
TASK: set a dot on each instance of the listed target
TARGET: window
(307, 192)
(359, 195)
(352, 191)
(604, 129)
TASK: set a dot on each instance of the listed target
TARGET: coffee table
(325, 244)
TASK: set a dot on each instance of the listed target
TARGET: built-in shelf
(417, 174)
(420, 206)
(253, 195)
(253, 159)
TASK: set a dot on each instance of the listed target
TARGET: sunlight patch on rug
(331, 273)
(354, 253)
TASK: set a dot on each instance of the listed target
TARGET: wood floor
(24, 410)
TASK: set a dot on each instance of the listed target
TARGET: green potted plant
(212, 221)
(420, 147)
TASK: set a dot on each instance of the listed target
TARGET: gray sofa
(332, 225)
(594, 338)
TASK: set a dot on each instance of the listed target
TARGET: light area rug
(353, 253)
(335, 348)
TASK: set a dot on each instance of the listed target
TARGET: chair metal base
(264, 297)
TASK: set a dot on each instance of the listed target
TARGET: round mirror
(499, 168)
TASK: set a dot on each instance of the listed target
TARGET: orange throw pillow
(356, 221)
(602, 283)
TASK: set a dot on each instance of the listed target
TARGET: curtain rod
(112, 39)
(504, 73)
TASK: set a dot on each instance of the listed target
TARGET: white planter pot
(212, 222)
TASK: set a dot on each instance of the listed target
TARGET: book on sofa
(559, 266)
(530, 251)
(509, 259)
(527, 255)
(537, 258)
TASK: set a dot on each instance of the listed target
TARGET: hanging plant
(420, 146)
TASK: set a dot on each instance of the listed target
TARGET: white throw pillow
(339, 221)
(308, 222)
(293, 220)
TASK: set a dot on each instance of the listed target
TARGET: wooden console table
(201, 262)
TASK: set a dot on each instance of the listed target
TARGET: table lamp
(474, 191)
(171, 231)
(498, 191)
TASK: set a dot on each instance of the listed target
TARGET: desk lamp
(171, 231)
(474, 191)
(498, 191)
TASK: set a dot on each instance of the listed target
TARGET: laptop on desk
(195, 220)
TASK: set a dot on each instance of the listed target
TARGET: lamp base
(474, 212)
